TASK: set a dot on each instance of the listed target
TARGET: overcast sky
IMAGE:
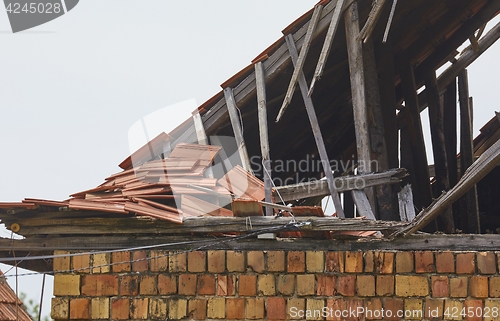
(71, 89)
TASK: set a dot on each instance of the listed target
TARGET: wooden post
(201, 135)
(438, 146)
(318, 137)
(467, 152)
(406, 207)
(356, 70)
(260, 79)
(421, 174)
(362, 204)
(237, 123)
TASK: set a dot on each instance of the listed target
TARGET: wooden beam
(389, 21)
(450, 130)
(438, 147)
(366, 31)
(327, 45)
(201, 136)
(237, 123)
(301, 59)
(260, 79)
(406, 206)
(357, 77)
(342, 184)
(318, 137)
(467, 153)
(362, 204)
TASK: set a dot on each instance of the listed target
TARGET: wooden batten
(318, 137)
(362, 204)
(367, 30)
(471, 222)
(236, 122)
(260, 79)
(389, 21)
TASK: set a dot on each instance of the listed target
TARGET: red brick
(473, 310)
(486, 263)
(235, 261)
(79, 308)
(254, 309)
(177, 262)
(465, 263)
(226, 285)
(346, 285)
(424, 262)
(439, 286)
(445, 262)
(354, 262)
(373, 309)
(479, 287)
(197, 261)
(197, 309)
(255, 261)
(100, 285)
(148, 285)
(120, 309)
(139, 309)
(369, 258)
(458, 287)
(206, 284)
(404, 262)
(286, 284)
(384, 262)
(167, 284)
(393, 305)
(495, 287)
(276, 261)
(354, 305)
(216, 261)
(431, 307)
(326, 285)
(187, 284)
(335, 262)
(120, 261)
(276, 308)
(296, 262)
(335, 305)
(158, 261)
(305, 284)
(365, 285)
(247, 285)
(140, 261)
(235, 308)
(81, 263)
(385, 285)
(129, 285)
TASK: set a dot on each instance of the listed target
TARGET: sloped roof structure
(11, 307)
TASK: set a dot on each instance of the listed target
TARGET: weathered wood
(366, 31)
(477, 171)
(342, 184)
(202, 136)
(436, 121)
(327, 45)
(301, 59)
(362, 204)
(357, 78)
(421, 173)
(260, 79)
(237, 123)
(318, 137)
(389, 21)
(215, 140)
(467, 153)
(450, 137)
(406, 206)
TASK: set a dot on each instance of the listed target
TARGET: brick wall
(277, 285)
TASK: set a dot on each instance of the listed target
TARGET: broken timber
(366, 31)
(318, 137)
(201, 135)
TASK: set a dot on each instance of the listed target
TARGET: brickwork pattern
(276, 285)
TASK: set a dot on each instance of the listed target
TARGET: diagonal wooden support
(318, 137)
(327, 45)
(260, 79)
(301, 59)
(362, 204)
(366, 31)
(389, 21)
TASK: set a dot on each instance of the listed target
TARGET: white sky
(71, 89)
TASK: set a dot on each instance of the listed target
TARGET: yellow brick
(254, 309)
(60, 309)
(177, 262)
(255, 260)
(81, 263)
(492, 307)
(101, 263)
(177, 309)
(293, 306)
(414, 285)
(452, 310)
(158, 309)
(314, 307)
(99, 308)
(235, 261)
(61, 263)
(413, 309)
(305, 284)
(365, 285)
(66, 284)
(275, 261)
(159, 261)
(354, 262)
(216, 308)
(315, 262)
(139, 308)
(266, 284)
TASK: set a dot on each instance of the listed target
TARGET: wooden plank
(436, 121)
(260, 79)
(406, 206)
(472, 224)
(367, 30)
(318, 137)
(362, 204)
(450, 135)
(357, 77)
(389, 21)
(301, 59)
(237, 123)
(327, 45)
(342, 184)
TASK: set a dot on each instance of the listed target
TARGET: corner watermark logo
(26, 14)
